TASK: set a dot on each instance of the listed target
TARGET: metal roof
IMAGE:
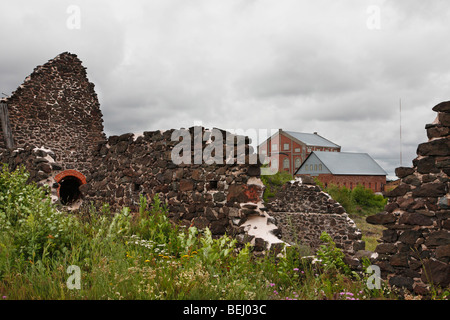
(349, 163)
(312, 139)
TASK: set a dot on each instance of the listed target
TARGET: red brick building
(293, 148)
(344, 169)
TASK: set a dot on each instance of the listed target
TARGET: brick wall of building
(287, 158)
(376, 183)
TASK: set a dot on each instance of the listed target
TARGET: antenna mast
(401, 162)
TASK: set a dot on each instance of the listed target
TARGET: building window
(320, 167)
(274, 147)
(310, 167)
(286, 163)
(306, 168)
(297, 150)
(297, 162)
(263, 152)
(286, 146)
(274, 165)
(315, 167)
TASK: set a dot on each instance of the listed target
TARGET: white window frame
(286, 161)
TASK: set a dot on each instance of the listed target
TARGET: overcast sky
(335, 67)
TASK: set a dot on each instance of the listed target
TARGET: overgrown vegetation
(143, 255)
(274, 182)
(358, 200)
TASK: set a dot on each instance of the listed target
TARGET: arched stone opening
(68, 190)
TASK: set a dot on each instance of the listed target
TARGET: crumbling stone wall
(57, 107)
(39, 162)
(302, 212)
(414, 251)
(203, 195)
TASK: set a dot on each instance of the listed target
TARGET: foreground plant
(143, 255)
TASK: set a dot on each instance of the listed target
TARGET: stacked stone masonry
(302, 212)
(203, 195)
(414, 252)
(57, 107)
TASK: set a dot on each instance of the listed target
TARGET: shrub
(330, 256)
(358, 199)
(342, 195)
(367, 199)
(29, 218)
(274, 182)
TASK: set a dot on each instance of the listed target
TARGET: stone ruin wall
(217, 196)
(302, 212)
(56, 107)
(226, 198)
(414, 251)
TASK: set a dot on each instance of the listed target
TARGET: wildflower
(185, 256)
(296, 269)
(271, 284)
(194, 252)
(4, 297)
(275, 292)
(147, 260)
(50, 236)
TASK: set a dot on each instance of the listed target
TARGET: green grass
(143, 255)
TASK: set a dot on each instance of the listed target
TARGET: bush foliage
(357, 200)
(274, 182)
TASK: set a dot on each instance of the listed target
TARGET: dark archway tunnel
(69, 190)
(69, 186)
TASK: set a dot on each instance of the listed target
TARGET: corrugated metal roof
(349, 163)
(312, 139)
